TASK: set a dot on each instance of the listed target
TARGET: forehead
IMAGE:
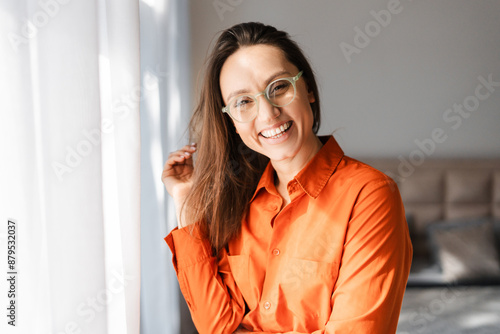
(250, 67)
(254, 56)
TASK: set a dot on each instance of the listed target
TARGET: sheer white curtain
(165, 112)
(70, 168)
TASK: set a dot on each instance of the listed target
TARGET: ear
(311, 97)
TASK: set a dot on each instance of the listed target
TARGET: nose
(267, 112)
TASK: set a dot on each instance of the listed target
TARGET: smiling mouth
(278, 132)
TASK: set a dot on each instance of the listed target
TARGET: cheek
(244, 130)
(247, 135)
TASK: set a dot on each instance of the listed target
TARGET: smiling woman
(245, 71)
(279, 231)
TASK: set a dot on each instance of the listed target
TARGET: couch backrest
(443, 189)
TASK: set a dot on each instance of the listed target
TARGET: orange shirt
(334, 260)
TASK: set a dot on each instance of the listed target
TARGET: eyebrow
(267, 82)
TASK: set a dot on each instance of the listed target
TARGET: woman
(279, 231)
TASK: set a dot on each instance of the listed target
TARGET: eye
(279, 87)
(242, 102)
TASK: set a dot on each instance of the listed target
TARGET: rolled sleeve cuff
(187, 246)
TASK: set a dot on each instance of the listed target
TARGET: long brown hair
(227, 171)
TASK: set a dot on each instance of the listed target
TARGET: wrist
(180, 212)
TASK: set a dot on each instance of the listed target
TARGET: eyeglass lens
(279, 93)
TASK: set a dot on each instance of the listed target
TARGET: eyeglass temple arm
(295, 78)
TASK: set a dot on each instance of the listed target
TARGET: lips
(276, 132)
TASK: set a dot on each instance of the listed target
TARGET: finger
(186, 149)
(188, 158)
(186, 152)
(183, 155)
(173, 159)
(172, 162)
(179, 158)
(175, 155)
(183, 158)
(190, 148)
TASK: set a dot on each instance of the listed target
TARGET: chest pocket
(307, 286)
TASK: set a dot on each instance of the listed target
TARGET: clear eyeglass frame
(265, 92)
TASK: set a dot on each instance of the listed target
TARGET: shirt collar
(314, 176)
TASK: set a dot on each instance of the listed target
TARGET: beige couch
(452, 206)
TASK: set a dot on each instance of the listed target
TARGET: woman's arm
(208, 286)
(214, 300)
(375, 264)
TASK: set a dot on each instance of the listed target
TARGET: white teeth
(277, 132)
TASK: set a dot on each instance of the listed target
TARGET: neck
(287, 169)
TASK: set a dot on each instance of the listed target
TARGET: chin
(281, 155)
(285, 151)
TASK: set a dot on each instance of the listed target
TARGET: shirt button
(267, 305)
(276, 251)
(273, 207)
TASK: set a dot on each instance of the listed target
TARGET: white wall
(397, 89)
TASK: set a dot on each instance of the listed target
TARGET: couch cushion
(465, 250)
(468, 186)
(423, 187)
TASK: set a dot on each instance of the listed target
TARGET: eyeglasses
(279, 93)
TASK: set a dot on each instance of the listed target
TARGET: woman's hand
(177, 174)
(178, 171)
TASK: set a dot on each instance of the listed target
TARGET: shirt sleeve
(214, 300)
(375, 265)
